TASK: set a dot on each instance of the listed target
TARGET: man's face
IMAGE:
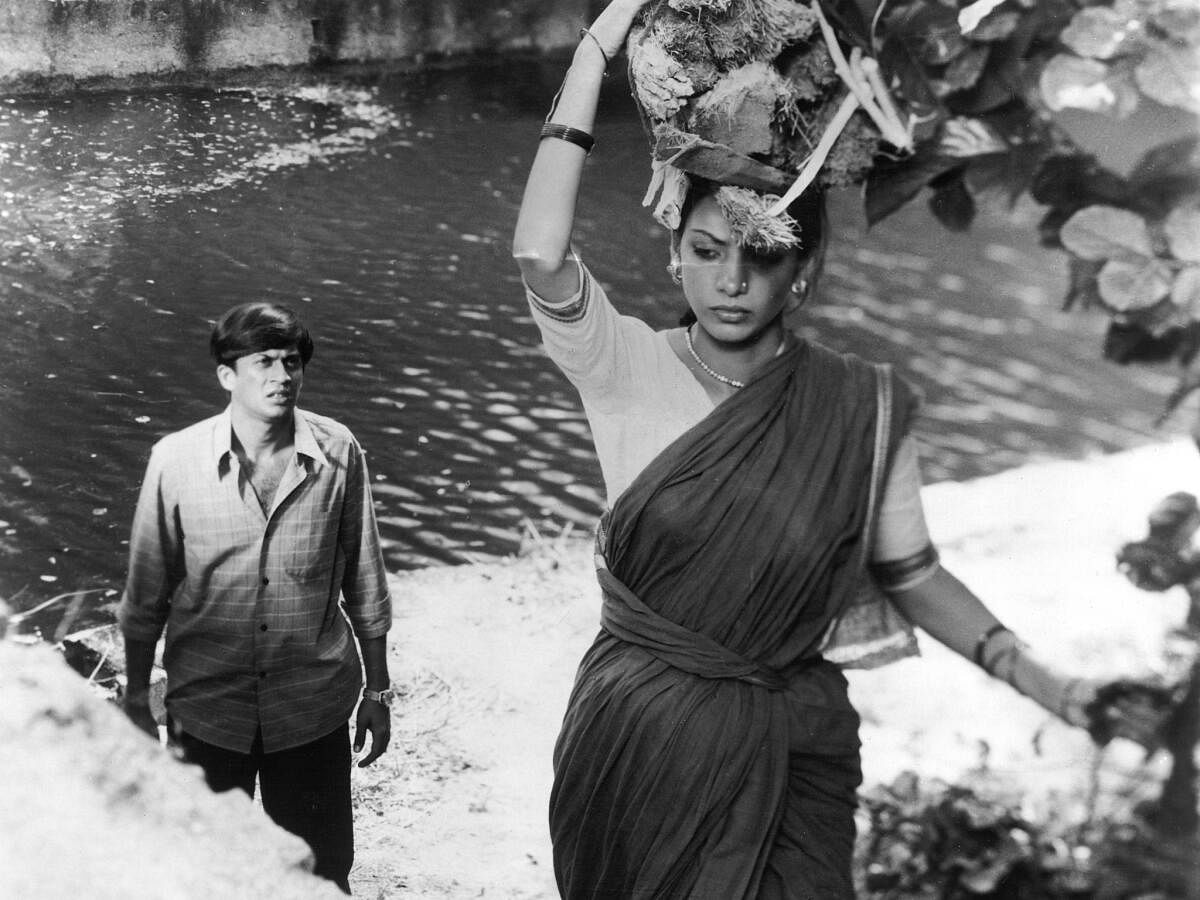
(264, 385)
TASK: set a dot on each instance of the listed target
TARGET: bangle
(571, 135)
(583, 31)
(981, 644)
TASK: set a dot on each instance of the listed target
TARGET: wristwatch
(385, 696)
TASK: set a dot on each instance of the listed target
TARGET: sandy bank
(487, 654)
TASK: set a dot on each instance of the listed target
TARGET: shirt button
(266, 581)
(262, 674)
(262, 627)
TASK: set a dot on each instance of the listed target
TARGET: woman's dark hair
(808, 211)
(254, 327)
(812, 225)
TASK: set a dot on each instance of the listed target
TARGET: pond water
(383, 211)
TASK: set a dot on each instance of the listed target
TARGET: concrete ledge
(60, 44)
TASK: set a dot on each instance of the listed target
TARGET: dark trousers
(305, 790)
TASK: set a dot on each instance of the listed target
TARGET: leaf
(1077, 180)
(1071, 82)
(964, 72)
(998, 84)
(1185, 292)
(1176, 159)
(952, 203)
(970, 17)
(1171, 75)
(996, 27)
(1131, 342)
(1012, 172)
(891, 184)
(737, 111)
(1182, 228)
(930, 30)
(1180, 20)
(1126, 286)
(1004, 77)
(1189, 383)
(907, 77)
(718, 163)
(1159, 319)
(963, 137)
(1165, 174)
(1106, 232)
(1099, 32)
(847, 18)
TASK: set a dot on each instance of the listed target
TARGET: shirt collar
(305, 441)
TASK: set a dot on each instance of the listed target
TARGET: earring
(675, 270)
(799, 297)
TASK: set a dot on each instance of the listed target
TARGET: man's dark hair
(254, 327)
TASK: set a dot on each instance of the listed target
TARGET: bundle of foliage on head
(745, 92)
(740, 92)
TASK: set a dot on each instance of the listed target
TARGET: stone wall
(49, 43)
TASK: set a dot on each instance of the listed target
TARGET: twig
(17, 618)
(99, 666)
(807, 175)
(862, 76)
(69, 617)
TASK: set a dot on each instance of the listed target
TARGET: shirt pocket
(311, 556)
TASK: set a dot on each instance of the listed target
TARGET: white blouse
(639, 397)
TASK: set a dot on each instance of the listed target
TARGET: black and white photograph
(600, 449)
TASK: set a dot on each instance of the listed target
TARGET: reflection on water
(129, 221)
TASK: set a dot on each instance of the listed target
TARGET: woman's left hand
(1122, 708)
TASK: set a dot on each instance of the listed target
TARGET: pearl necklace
(724, 379)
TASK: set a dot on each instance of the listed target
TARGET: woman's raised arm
(542, 241)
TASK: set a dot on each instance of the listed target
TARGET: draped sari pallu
(708, 751)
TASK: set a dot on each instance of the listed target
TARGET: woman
(708, 749)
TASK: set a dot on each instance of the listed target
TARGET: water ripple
(128, 222)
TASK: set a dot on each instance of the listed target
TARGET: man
(254, 543)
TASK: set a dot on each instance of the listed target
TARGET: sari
(708, 751)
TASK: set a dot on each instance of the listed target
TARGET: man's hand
(137, 708)
(376, 718)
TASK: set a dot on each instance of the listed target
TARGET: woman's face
(736, 293)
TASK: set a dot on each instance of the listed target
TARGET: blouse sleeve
(903, 555)
(590, 341)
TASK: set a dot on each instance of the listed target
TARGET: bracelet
(981, 644)
(583, 31)
(571, 135)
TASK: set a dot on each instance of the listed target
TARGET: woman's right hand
(612, 26)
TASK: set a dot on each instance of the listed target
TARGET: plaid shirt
(255, 635)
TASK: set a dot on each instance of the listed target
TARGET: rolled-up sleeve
(364, 584)
(590, 342)
(156, 558)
